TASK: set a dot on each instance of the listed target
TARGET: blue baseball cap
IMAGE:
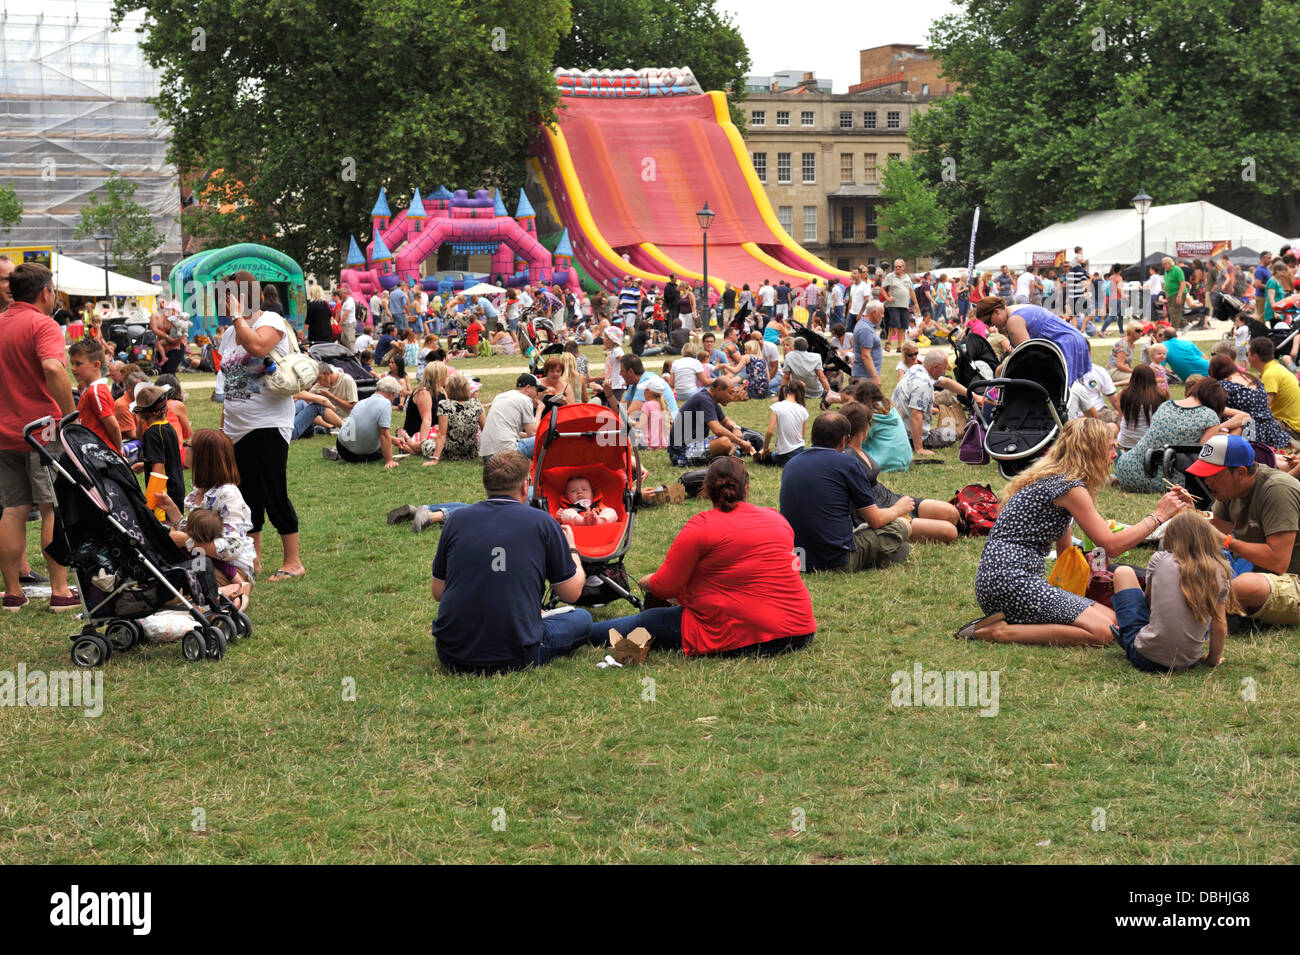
(1223, 451)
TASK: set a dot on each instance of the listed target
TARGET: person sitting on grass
(827, 499)
(1187, 600)
(583, 506)
(95, 408)
(930, 520)
(887, 444)
(322, 406)
(785, 424)
(722, 564)
(1039, 506)
(490, 572)
(460, 419)
(701, 431)
(365, 436)
(421, 407)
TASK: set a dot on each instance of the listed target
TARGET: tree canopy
(303, 109)
(11, 207)
(1067, 106)
(116, 212)
(912, 221)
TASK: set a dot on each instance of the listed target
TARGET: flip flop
(967, 630)
(283, 574)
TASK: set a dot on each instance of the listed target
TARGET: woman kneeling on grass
(733, 572)
(1038, 507)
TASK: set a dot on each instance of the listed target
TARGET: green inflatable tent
(193, 281)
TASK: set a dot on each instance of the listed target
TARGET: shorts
(23, 481)
(1283, 603)
(897, 318)
(879, 547)
(694, 455)
(886, 497)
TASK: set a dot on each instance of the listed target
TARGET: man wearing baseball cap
(511, 422)
(1258, 510)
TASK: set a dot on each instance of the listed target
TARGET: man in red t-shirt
(33, 383)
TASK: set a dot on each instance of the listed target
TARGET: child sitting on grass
(1187, 599)
(581, 505)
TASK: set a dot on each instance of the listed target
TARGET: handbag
(294, 372)
(972, 449)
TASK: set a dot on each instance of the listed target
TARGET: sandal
(283, 574)
(967, 630)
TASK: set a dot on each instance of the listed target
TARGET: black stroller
(335, 354)
(126, 563)
(1172, 461)
(976, 359)
(831, 360)
(1031, 407)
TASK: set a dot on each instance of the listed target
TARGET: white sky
(825, 35)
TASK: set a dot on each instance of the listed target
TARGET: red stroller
(591, 441)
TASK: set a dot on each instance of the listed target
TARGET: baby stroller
(593, 441)
(1172, 462)
(539, 344)
(976, 359)
(831, 360)
(345, 362)
(126, 563)
(1031, 405)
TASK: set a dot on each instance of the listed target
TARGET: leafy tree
(912, 221)
(303, 109)
(637, 34)
(11, 207)
(117, 212)
(1067, 106)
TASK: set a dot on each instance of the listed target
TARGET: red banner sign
(1202, 249)
(1048, 259)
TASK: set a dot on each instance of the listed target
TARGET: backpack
(977, 507)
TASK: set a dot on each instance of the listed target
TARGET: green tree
(912, 221)
(301, 110)
(637, 34)
(135, 237)
(1068, 106)
(11, 207)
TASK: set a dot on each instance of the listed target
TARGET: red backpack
(977, 506)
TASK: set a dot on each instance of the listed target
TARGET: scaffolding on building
(74, 111)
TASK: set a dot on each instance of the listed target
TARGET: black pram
(1033, 392)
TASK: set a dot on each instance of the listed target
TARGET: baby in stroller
(582, 505)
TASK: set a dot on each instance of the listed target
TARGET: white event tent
(1114, 235)
(80, 278)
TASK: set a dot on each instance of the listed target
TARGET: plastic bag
(1071, 572)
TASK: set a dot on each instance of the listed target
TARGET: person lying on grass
(1038, 506)
(733, 575)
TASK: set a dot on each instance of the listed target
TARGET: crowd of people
(772, 343)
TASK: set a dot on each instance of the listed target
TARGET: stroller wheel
(123, 634)
(243, 624)
(193, 646)
(90, 650)
(226, 624)
(216, 641)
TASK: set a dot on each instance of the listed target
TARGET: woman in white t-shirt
(785, 426)
(259, 423)
(689, 375)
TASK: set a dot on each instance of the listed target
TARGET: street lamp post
(105, 240)
(705, 217)
(1142, 203)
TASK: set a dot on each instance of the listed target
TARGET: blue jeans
(525, 446)
(1117, 319)
(561, 634)
(664, 624)
(447, 509)
(305, 414)
(1132, 614)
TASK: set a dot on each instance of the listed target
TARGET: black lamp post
(1142, 203)
(705, 217)
(105, 240)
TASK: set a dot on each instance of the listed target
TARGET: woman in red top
(733, 572)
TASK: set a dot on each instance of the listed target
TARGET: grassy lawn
(576, 764)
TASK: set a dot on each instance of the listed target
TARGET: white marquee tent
(1114, 235)
(80, 278)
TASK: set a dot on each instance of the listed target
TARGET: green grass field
(259, 758)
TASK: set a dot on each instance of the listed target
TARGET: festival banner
(1048, 259)
(974, 228)
(40, 254)
(1202, 249)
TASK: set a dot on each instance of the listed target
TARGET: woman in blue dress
(1023, 322)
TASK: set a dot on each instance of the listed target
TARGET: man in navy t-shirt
(493, 562)
(827, 498)
(702, 431)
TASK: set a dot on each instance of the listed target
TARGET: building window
(842, 264)
(809, 168)
(846, 167)
(806, 118)
(810, 223)
(848, 228)
(893, 120)
(783, 117)
(783, 167)
(925, 89)
(869, 119)
(760, 166)
(871, 221)
(785, 215)
(758, 117)
(895, 156)
(869, 168)
(846, 119)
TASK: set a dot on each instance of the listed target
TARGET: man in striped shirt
(629, 298)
